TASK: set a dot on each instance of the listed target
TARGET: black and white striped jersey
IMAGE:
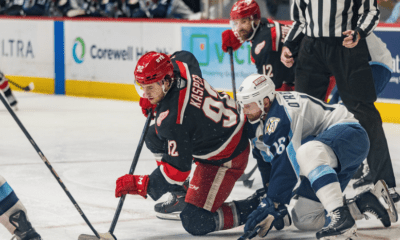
(329, 19)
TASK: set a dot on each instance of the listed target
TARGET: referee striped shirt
(329, 18)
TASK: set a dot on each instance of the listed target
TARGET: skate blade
(381, 190)
(103, 236)
(175, 216)
(348, 235)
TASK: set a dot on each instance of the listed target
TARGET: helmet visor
(139, 89)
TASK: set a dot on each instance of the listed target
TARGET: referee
(332, 36)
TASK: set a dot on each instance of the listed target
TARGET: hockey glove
(230, 39)
(132, 184)
(146, 106)
(261, 220)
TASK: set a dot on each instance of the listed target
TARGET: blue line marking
(59, 58)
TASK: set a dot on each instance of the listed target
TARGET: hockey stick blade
(248, 183)
(246, 176)
(103, 236)
(169, 216)
(381, 190)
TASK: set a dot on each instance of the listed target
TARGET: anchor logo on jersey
(271, 125)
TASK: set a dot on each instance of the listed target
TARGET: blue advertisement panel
(392, 39)
(205, 44)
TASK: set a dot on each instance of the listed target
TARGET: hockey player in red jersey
(197, 124)
(265, 37)
(5, 88)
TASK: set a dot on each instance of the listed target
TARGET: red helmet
(245, 8)
(153, 67)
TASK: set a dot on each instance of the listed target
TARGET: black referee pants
(319, 59)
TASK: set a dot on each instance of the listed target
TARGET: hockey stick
(41, 155)
(28, 88)
(232, 74)
(110, 232)
(245, 177)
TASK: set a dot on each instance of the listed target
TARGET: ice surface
(90, 143)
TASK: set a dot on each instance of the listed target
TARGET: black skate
(368, 202)
(394, 195)
(342, 224)
(363, 181)
(171, 209)
(12, 101)
(360, 172)
(24, 229)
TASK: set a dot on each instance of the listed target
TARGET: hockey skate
(24, 229)
(12, 101)
(367, 202)
(171, 209)
(381, 191)
(342, 225)
(394, 195)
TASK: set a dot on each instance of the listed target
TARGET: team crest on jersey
(259, 47)
(271, 125)
(161, 117)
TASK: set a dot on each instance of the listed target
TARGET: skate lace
(335, 215)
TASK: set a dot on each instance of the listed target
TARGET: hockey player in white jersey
(13, 214)
(282, 120)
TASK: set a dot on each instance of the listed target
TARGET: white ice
(90, 143)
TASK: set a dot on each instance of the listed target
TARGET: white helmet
(255, 88)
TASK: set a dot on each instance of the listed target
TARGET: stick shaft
(44, 159)
(131, 170)
(18, 86)
(232, 74)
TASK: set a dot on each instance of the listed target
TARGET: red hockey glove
(146, 106)
(229, 39)
(132, 184)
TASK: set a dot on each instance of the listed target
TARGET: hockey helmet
(153, 67)
(245, 8)
(255, 88)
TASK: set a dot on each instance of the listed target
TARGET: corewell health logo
(78, 50)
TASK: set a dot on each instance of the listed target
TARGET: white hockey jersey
(379, 53)
(292, 117)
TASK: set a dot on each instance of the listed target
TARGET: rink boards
(96, 57)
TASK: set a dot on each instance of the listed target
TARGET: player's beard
(254, 116)
(244, 34)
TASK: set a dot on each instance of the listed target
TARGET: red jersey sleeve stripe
(173, 175)
(184, 94)
(275, 35)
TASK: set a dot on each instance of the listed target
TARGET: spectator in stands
(159, 9)
(278, 9)
(12, 8)
(394, 17)
(35, 7)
